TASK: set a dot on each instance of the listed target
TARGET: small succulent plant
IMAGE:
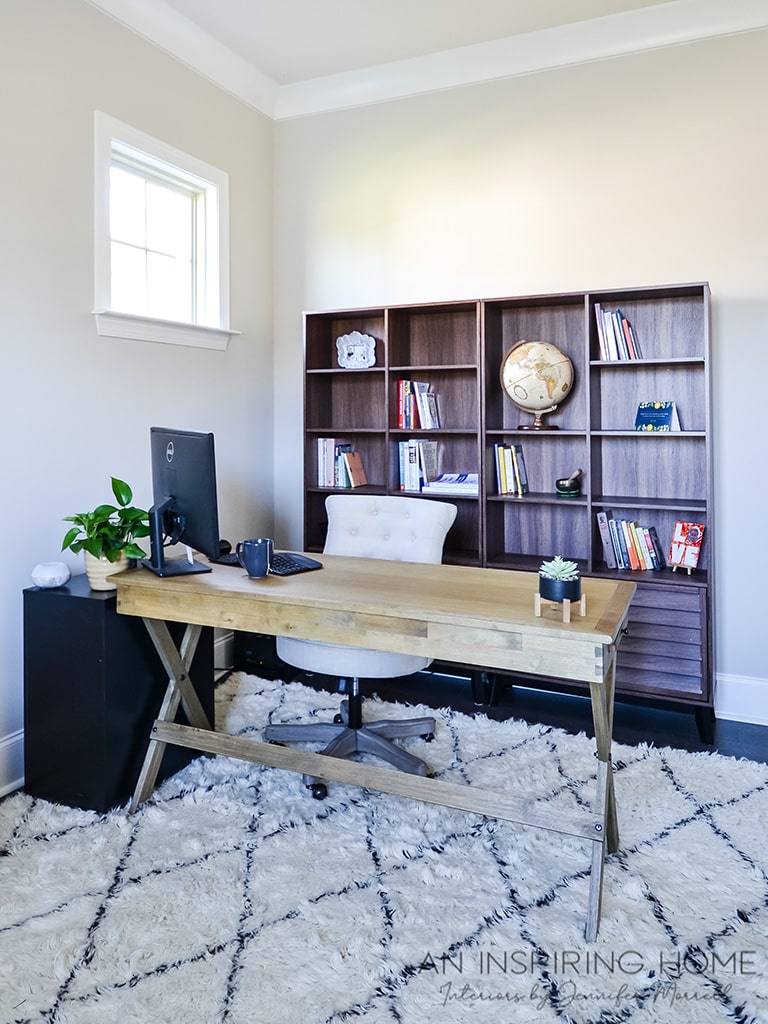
(559, 569)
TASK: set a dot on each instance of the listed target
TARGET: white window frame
(113, 137)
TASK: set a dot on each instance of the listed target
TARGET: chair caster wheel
(338, 720)
(319, 790)
(428, 737)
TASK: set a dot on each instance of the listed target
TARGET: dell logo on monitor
(169, 452)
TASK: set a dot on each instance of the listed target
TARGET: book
(518, 488)
(657, 416)
(404, 409)
(427, 461)
(454, 483)
(409, 466)
(509, 469)
(609, 552)
(501, 469)
(654, 559)
(521, 473)
(634, 561)
(329, 469)
(340, 478)
(601, 339)
(610, 334)
(619, 545)
(685, 547)
(618, 330)
(426, 405)
(353, 462)
(658, 550)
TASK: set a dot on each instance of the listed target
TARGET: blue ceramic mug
(255, 555)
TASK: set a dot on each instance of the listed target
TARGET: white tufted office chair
(368, 526)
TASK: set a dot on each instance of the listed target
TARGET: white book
(428, 460)
(456, 483)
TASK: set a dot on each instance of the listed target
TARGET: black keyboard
(230, 558)
(286, 564)
(283, 563)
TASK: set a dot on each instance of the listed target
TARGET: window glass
(161, 237)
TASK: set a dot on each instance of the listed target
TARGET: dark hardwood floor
(633, 722)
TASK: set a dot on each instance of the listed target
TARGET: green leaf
(122, 492)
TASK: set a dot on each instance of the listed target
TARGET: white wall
(77, 408)
(647, 169)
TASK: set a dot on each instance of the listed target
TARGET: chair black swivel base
(347, 735)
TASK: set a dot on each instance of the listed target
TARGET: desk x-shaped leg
(177, 662)
(599, 827)
(605, 805)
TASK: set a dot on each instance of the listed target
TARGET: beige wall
(77, 408)
(642, 170)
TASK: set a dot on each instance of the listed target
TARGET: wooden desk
(457, 613)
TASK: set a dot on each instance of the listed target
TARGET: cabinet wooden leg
(705, 723)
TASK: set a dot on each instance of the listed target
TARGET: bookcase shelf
(655, 478)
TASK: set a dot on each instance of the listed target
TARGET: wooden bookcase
(655, 478)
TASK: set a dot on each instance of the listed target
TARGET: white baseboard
(742, 699)
(11, 762)
(223, 649)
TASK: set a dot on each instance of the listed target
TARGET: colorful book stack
(511, 474)
(416, 406)
(616, 335)
(628, 544)
(417, 463)
(338, 465)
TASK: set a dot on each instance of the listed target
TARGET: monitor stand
(157, 563)
(175, 567)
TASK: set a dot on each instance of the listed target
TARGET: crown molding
(650, 28)
(163, 26)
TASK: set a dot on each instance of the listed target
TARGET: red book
(686, 544)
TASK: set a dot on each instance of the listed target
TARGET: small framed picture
(356, 351)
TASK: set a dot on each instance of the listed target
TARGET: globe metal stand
(537, 424)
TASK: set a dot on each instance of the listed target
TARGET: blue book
(657, 416)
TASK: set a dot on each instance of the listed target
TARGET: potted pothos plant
(107, 535)
(559, 580)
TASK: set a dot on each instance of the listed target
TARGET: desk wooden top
(456, 613)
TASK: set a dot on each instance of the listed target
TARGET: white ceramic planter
(98, 569)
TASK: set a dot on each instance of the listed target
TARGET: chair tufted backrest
(398, 528)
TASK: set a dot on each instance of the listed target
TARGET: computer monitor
(184, 505)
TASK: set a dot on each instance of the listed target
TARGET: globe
(537, 377)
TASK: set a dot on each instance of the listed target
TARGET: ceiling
(296, 57)
(294, 40)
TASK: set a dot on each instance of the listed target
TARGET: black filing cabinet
(93, 684)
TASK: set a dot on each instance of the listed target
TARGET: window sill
(168, 332)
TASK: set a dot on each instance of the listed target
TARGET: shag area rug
(232, 896)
